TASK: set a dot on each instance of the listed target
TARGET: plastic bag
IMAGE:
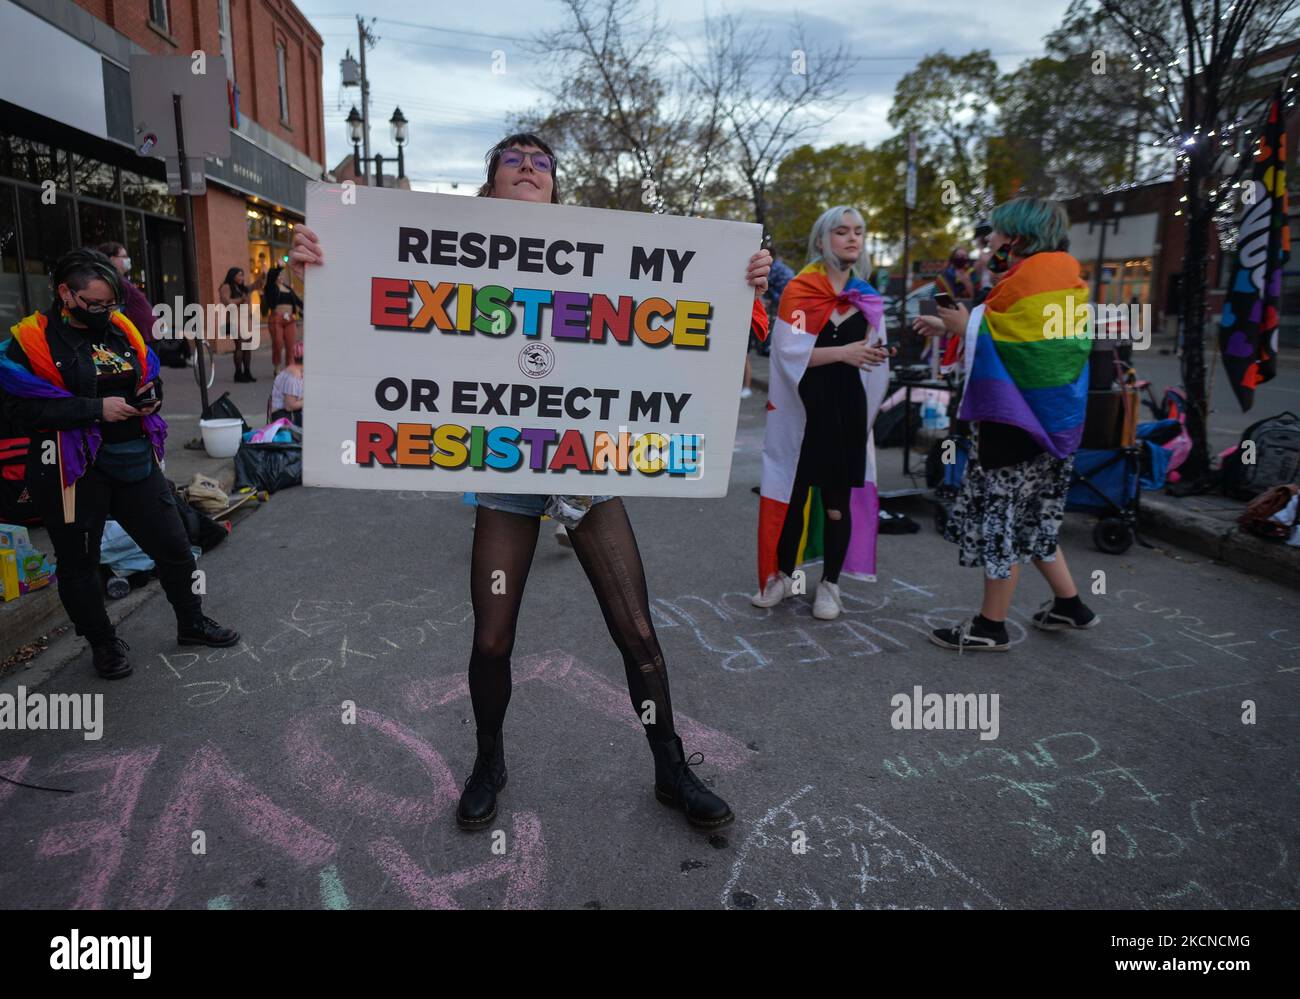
(268, 466)
(206, 495)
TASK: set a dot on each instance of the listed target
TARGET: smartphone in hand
(148, 398)
(944, 300)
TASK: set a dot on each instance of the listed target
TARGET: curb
(41, 613)
(1220, 541)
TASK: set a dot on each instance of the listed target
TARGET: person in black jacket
(81, 379)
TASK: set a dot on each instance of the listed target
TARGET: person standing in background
(234, 292)
(282, 304)
(135, 306)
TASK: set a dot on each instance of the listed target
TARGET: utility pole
(365, 38)
(909, 203)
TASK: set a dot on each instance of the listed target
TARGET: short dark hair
(111, 249)
(493, 159)
(77, 268)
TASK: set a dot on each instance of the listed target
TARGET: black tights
(606, 547)
(835, 532)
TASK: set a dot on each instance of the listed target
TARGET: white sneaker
(777, 589)
(828, 605)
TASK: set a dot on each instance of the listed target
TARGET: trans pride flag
(806, 304)
(1022, 376)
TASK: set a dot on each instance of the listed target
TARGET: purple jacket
(137, 309)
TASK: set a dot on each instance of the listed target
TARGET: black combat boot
(200, 630)
(478, 802)
(676, 785)
(110, 658)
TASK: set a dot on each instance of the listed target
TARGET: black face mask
(1000, 262)
(98, 322)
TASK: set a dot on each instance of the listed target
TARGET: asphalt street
(1150, 763)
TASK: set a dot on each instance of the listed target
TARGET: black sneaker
(110, 659)
(1052, 618)
(964, 638)
(205, 631)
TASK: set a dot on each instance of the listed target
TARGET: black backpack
(224, 408)
(16, 506)
(1277, 457)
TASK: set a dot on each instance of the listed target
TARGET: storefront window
(100, 224)
(35, 162)
(11, 295)
(270, 237)
(1123, 282)
(47, 235)
(134, 242)
(167, 256)
(95, 179)
(147, 193)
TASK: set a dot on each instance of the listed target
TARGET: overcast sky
(436, 62)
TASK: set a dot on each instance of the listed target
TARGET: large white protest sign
(490, 345)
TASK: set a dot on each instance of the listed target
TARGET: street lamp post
(398, 132)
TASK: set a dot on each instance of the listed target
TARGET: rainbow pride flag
(1021, 374)
(76, 447)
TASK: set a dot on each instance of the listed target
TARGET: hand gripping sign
(488, 345)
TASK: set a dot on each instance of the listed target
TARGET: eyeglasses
(95, 308)
(542, 162)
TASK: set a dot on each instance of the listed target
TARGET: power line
(516, 38)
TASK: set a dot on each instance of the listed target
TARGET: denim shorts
(528, 504)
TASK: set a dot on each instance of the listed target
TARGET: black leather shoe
(676, 785)
(110, 659)
(478, 802)
(205, 631)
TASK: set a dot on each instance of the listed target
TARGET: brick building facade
(83, 136)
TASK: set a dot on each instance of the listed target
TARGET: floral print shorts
(1004, 516)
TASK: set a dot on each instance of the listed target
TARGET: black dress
(834, 451)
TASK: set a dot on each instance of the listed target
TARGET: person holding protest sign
(522, 167)
(82, 380)
(828, 377)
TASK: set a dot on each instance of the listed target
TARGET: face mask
(98, 322)
(126, 263)
(1000, 262)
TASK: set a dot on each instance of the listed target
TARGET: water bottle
(929, 413)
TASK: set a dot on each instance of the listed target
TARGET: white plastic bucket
(221, 437)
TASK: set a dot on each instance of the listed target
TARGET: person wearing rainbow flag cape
(1026, 392)
(828, 377)
(82, 380)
